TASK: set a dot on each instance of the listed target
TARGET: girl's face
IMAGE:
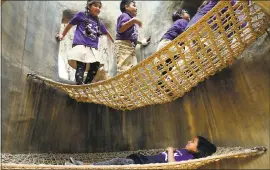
(94, 9)
(131, 9)
(192, 145)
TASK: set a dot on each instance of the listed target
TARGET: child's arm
(104, 31)
(77, 18)
(61, 36)
(170, 154)
(129, 23)
(109, 36)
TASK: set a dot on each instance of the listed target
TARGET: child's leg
(163, 71)
(163, 43)
(116, 161)
(79, 72)
(92, 72)
(125, 54)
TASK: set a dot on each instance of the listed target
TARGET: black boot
(79, 72)
(92, 72)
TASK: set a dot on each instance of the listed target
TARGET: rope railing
(207, 47)
(56, 161)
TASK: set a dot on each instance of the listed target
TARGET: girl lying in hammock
(198, 147)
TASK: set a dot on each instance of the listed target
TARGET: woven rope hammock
(207, 47)
(56, 161)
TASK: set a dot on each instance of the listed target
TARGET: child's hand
(170, 149)
(145, 41)
(137, 21)
(59, 37)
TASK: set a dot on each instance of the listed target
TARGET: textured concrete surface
(231, 108)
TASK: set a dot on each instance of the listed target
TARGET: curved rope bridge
(207, 47)
(56, 161)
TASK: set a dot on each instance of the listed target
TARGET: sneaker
(68, 163)
(75, 162)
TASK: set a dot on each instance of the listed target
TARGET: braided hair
(86, 20)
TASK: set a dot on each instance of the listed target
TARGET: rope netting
(60, 159)
(207, 47)
(56, 161)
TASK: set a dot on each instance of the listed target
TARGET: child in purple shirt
(203, 9)
(127, 36)
(180, 19)
(84, 53)
(198, 147)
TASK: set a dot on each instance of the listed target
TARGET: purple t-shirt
(177, 28)
(202, 11)
(131, 33)
(179, 155)
(80, 38)
(240, 17)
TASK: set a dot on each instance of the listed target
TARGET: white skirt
(84, 54)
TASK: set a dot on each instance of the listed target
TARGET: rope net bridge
(56, 161)
(207, 47)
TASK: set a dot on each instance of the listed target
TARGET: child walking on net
(180, 19)
(84, 55)
(127, 36)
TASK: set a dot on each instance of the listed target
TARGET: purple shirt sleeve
(103, 28)
(180, 25)
(179, 155)
(176, 29)
(122, 19)
(77, 18)
(182, 155)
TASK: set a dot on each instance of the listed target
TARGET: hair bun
(176, 16)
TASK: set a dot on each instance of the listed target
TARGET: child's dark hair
(205, 148)
(124, 3)
(178, 14)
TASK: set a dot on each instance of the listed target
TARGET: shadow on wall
(67, 15)
(192, 6)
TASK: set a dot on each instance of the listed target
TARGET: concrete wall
(231, 108)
